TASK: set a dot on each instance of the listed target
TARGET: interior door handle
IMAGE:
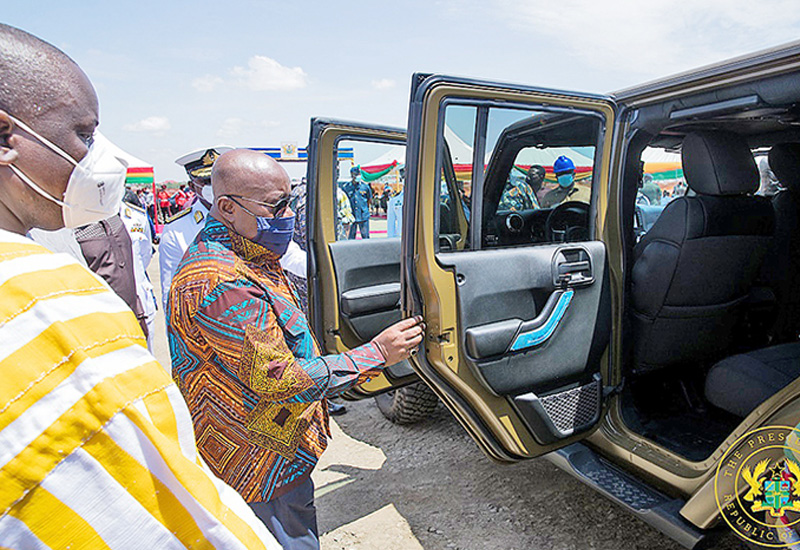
(574, 267)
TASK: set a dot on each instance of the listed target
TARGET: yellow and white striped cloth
(97, 448)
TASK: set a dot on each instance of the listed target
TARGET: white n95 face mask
(95, 187)
(208, 193)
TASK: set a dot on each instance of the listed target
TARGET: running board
(652, 507)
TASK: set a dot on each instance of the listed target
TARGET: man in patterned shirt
(522, 195)
(243, 355)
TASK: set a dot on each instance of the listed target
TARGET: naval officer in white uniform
(135, 219)
(181, 229)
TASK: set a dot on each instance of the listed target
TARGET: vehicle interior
(711, 292)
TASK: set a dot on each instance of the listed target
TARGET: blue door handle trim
(541, 334)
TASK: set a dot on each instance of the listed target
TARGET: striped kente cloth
(96, 443)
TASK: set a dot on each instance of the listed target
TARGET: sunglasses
(276, 209)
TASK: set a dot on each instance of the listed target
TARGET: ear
(8, 154)
(226, 207)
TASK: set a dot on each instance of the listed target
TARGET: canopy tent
(385, 169)
(394, 154)
(140, 173)
(664, 167)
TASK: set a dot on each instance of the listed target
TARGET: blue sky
(176, 75)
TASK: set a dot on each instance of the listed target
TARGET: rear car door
(518, 303)
(354, 282)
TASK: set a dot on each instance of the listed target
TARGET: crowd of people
(100, 445)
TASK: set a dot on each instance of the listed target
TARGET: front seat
(782, 265)
(695, 267)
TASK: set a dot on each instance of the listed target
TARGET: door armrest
(368, 299)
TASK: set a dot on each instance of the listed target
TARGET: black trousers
(291, 518)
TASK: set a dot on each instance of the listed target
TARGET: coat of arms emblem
(774, 487)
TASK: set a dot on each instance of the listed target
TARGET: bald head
(35, 76)
(249, 174)
(243, 181)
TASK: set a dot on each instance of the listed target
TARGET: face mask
(207, 193)
(565, 180)
(96, 184)
(275, 234)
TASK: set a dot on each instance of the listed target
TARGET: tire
(408, 405)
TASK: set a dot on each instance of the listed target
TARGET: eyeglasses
(275, 209)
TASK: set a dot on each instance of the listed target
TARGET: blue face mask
(565, 180)
(275, 234)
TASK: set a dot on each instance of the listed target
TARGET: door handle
(574, 267)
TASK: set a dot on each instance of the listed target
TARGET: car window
(455, 178)
(662, 182)
(512, 168)
(369, 189)
(537, 174)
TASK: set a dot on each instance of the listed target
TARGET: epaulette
(137, 208)
(179, 215)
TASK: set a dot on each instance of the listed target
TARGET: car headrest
(784, 160)
(719, 163)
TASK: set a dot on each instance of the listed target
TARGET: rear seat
(740, 383)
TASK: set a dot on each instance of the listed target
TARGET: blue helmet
(563, 164)
(355, 171)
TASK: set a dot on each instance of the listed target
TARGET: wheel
(408, 405)
(568, 222)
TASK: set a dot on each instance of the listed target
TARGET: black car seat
(695, 267)
(740, 383)
(782, 265)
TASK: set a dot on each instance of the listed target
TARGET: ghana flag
(140, 176)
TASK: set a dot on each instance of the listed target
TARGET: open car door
(354, 282)
(517, 306)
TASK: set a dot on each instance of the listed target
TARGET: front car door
(517, 303)
(354, 282)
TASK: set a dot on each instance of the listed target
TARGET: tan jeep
(635, 318)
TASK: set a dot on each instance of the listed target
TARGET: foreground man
(244, 357)
(96, 447)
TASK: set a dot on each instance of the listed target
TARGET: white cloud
(266, 74)
(383, 84)
(206, 83)
(153, 124)
(650, 38)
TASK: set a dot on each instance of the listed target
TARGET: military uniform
(178, 234)
(360, 194)
(138, 226)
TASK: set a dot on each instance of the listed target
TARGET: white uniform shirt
(135, 220)
(394, 216)
(181, 231)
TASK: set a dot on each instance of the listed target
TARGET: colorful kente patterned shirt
(518, 196)
(248, 366)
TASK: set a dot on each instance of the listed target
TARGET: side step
(652, 507)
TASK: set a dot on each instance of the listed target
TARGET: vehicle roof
(781, 56)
